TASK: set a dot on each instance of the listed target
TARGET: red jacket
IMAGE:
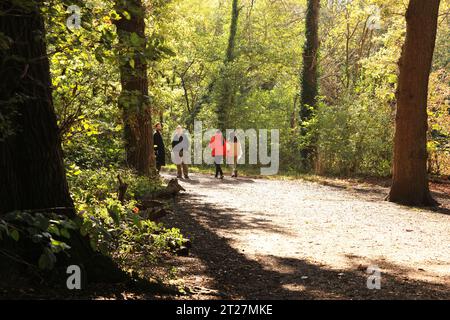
(218, 145)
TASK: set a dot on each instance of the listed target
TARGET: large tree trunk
(227, 91)
(309, 82)
(32, 174)
(410, 179)
(134, 100)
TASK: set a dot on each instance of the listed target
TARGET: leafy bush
(44, 229)
(117, 229)
(439, 123)
(113, 228)
(354, 137)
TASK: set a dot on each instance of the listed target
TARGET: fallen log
(155, 214)
(145, 204)
(173, 188)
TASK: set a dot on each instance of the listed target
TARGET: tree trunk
(309, 82)
(227, 94)
(134, 100)
(31, 166)
(410, 179)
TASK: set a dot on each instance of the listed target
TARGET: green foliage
(117, 229)
(94, 143)
(85, 83)
(186, 42)
(184, 48)
(92, 186)
(355, 137)
(439, 123)
(113, 228)
(47, 231)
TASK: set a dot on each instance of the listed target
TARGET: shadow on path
(272, 277)
(380, 191)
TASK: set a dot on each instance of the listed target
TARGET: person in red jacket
(218, 145)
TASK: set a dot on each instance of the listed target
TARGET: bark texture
(134, 100)
(32, 174)
(410, 178)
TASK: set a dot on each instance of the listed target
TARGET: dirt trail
(274, 239)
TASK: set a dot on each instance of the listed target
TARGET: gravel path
(275, 239)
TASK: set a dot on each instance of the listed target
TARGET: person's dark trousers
(218, 162)
(218, 170)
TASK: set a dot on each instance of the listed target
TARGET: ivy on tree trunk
(309, 82)
(227, 91)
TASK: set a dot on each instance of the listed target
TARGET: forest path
(277, 239)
